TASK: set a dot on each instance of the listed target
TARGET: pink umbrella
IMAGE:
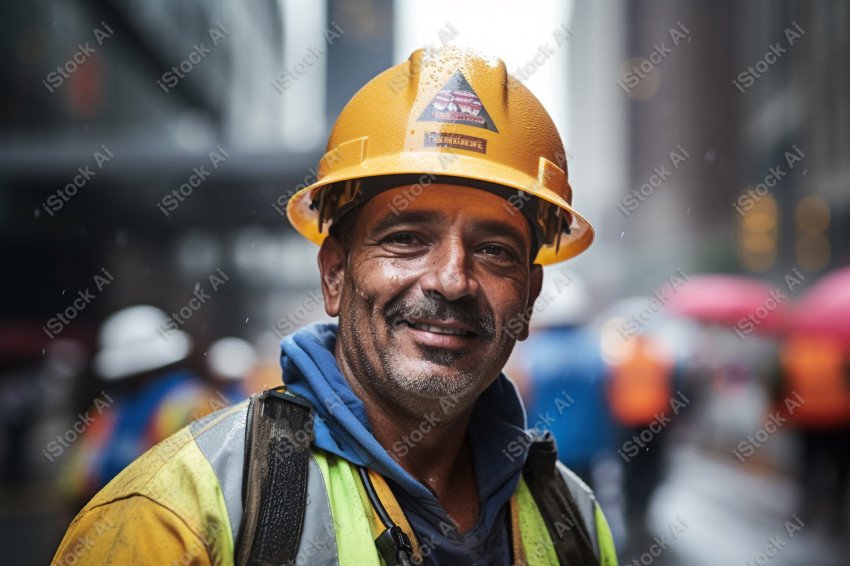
(746, 304)
(825, 309)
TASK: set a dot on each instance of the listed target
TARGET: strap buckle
(394, 546)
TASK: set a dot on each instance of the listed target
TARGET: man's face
(433, 295)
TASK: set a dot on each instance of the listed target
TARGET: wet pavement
(715, 511)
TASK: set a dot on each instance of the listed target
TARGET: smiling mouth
(450, 329)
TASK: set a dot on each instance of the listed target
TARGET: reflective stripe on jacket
(181, 503)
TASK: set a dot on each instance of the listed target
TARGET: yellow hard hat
(449, 116)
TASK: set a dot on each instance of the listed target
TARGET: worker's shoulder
(178, 473)
(577, 487)
(170, 493)
(591, 515)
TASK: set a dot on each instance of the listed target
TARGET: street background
(148, 149)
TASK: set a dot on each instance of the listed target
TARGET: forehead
(445, 203)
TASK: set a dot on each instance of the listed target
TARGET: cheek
(372, 285)
(357, 300)
(510, 302)
(511, 319)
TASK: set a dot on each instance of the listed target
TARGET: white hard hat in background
(231, 358)
(564, 300)
(138, 339)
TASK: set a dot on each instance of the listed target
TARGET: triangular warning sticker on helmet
(457, 103)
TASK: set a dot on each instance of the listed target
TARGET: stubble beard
(414, 392)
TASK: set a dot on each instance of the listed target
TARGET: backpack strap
(278, 435)
(557, 506)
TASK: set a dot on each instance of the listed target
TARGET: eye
(403, 240)
(498, 252)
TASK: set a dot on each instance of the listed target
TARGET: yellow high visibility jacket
(181, 504)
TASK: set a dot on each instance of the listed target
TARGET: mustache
(483, 323)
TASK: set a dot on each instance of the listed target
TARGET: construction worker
(640, 390)
(149, 393)
(567, 394)
(813, 396)
(229, 361)
(396, 438)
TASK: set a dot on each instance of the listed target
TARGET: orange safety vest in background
(641, 385)
(816, 379)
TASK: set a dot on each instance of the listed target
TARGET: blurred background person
(812, 391)
(229, 363)
(148, 394)
(640, 392)
(37, 400)
(563, 377)
(813, 394)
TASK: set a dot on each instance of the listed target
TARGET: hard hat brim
(431, 167)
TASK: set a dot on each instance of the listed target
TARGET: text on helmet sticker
(455, 141)
(457, 103)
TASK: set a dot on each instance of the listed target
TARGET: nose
(450, 272)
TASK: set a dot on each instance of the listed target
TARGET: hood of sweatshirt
(497, 436)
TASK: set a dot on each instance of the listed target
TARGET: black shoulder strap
(557, 505)
(278, 436)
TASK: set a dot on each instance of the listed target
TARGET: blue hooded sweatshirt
(342, 428)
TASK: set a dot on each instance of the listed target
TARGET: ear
(535, 284)
(332, 269)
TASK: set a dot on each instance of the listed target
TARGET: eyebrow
(407, 217)
(488, 226)
(497, 228)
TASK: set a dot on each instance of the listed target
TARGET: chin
(430, 380)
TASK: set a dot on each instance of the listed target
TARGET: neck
(431, 447)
